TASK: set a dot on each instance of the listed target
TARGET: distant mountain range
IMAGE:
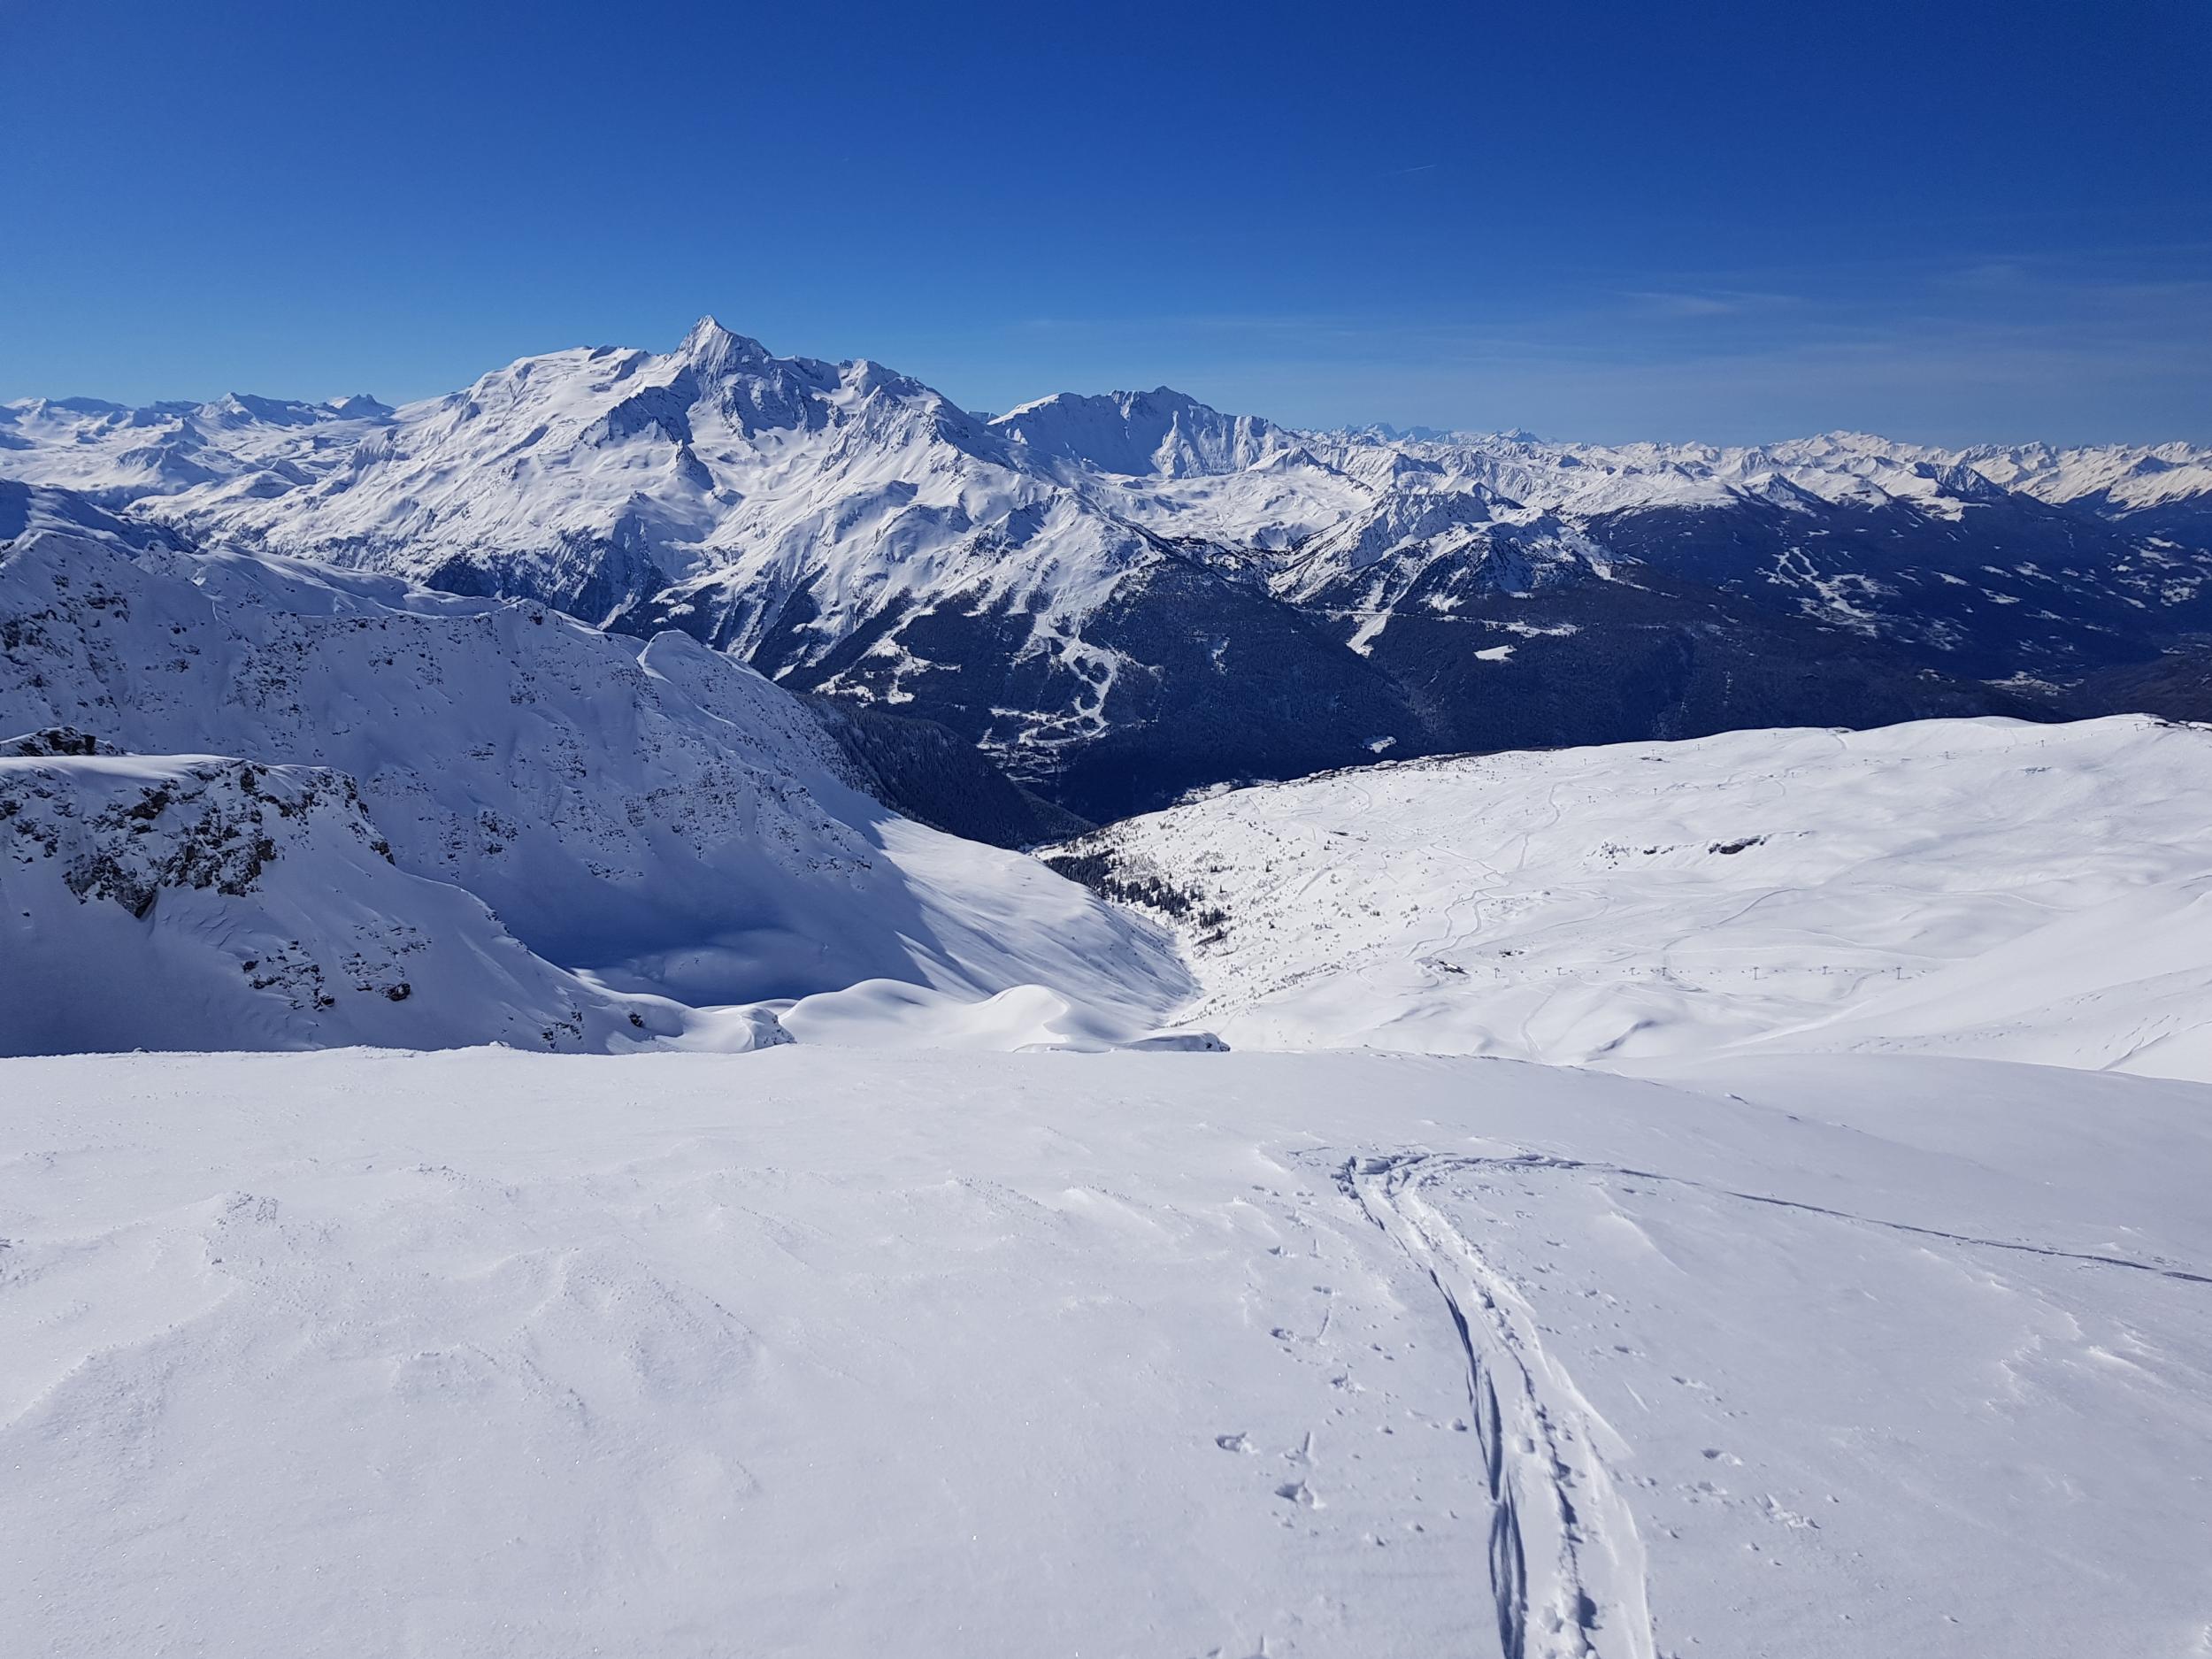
(1121, 598)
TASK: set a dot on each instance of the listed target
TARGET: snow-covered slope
(1325, 1356)
(1786, 1321)
(169, 903)
(654, 814)
(28, 509)
(1964, 887)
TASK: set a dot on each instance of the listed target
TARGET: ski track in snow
(1537, 1161)
(1566, 1564)
(1567, 1568)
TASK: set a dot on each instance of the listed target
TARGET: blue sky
(1732, 221)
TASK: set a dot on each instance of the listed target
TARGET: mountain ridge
(1119, 597)
(644, 823)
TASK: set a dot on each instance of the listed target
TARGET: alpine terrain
(695, 1003)
(1120, 598)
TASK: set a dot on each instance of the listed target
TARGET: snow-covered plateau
(517, 1138)
(1988, 887)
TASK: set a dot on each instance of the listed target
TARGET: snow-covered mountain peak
(1162, 433)
(714, 351)
(243, 408)
(359, 406)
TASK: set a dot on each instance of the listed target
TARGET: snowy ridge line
(1567, 1572)
(650, 815)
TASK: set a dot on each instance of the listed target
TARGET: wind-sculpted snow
(658, 816)
(1323, 1356)
(1985, 888)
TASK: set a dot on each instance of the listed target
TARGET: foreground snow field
(819, 1352)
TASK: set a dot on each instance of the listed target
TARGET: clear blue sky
(1951, 221)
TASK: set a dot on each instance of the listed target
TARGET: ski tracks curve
(1567, 1568)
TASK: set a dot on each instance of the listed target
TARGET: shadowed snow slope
(806, 1353)
(654, 814)
(1974, 886)
(174, 902)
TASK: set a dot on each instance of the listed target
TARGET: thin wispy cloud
(1709, 305)
(2081, 351)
